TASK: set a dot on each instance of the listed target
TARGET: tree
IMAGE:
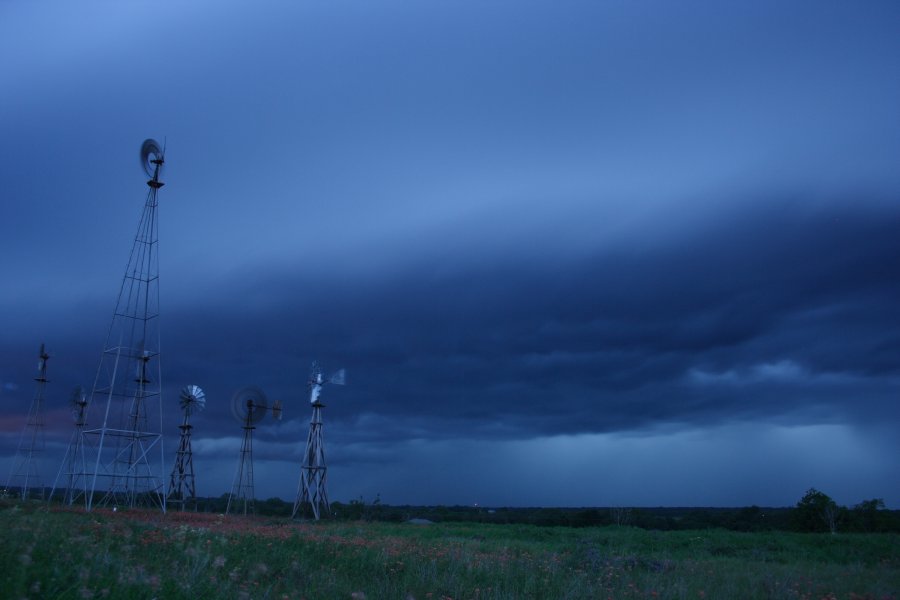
(816, 511)
(868, 515)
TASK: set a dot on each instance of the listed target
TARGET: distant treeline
(815, 512)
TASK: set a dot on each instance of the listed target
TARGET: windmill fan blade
(192, 398)
(339, 377)
(150, 148)
(248, 405)
(276, 410)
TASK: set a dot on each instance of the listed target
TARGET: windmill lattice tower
(127, 447)
(182, 489)
(74, 461)
(312, 491)
(249, 406)
(26, 468)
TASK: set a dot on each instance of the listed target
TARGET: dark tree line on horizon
(814, 512)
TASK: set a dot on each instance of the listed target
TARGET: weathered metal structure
(74, 461)
(312, 490)
(124, 444)
(182, 482)
(249, 406)
(26, 468)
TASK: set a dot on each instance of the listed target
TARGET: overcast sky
(570, 253)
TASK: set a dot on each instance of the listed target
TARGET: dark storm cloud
(776, 313)
(531, 231)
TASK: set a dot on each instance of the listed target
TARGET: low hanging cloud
(557, 250)
(773, 313)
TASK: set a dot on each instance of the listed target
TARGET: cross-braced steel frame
(74, 464)
(312, 492)
(26, 468)
(182, 490)
(243, 495)
(126, 449)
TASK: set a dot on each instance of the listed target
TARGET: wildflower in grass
(358, 596)
(25, 559)
(219, 561)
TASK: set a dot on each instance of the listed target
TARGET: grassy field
(55, 553)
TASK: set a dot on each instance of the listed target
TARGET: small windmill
(312, 487)
(26, 464)
(74, 462)
(249, 406)
(181, 484)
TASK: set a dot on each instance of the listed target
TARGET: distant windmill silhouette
(26, 469)
(249, 406)
(73, 465)
(182, 489)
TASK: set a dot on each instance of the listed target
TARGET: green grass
(51, 553)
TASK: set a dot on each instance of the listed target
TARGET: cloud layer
(614, 238)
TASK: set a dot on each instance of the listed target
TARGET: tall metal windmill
(126, 447)
(312, 491)
(249, 406)
(26, 469)
(73, 464)
(182, 488)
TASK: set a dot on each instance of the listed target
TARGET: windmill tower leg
(126, 446)
(312, 492)
(25, 472)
